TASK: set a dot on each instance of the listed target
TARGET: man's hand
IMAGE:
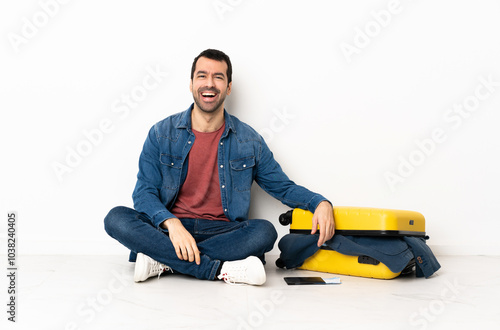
(184, 243)
(323, 215)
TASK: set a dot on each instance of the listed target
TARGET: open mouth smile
(208, 96)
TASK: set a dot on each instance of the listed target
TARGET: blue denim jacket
(243, 157)
(394, 252)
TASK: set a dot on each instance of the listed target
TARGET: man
(192, 195)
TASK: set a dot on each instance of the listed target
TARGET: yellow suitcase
(362, 221)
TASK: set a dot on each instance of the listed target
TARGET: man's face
(209, 85)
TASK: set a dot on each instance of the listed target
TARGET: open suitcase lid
(364, 221)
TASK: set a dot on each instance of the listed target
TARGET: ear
(191, 85)
(229, 88)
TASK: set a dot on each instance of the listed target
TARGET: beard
(209, 107)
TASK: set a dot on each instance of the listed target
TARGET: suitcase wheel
(286, 218)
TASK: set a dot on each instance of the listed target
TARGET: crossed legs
(218, 241)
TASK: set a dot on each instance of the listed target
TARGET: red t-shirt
(199, 196)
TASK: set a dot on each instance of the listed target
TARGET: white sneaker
(146, 267)
(246, 271)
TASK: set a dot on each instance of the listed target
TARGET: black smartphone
(304, 280)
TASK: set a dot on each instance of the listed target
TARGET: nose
(210, 81)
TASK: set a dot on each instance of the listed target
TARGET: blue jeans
(217, 241)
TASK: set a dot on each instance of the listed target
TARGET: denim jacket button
(223, 186)
(221, 166)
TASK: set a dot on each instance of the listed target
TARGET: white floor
(87, 292)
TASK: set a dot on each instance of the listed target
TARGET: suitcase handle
(368, 260)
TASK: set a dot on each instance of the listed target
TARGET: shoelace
(159, 268)
(237, 276)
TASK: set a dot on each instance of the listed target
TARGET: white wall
(342, 109)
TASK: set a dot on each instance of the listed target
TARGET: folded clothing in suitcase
(368, 242)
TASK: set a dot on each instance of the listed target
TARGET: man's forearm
(165, 223)
(150, 204)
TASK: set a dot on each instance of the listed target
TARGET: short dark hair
(216, 55)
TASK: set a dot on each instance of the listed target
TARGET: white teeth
(207, 94)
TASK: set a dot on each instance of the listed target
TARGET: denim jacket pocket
(241, 173)
(171, 170)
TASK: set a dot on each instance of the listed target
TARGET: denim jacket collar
(185, 121)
